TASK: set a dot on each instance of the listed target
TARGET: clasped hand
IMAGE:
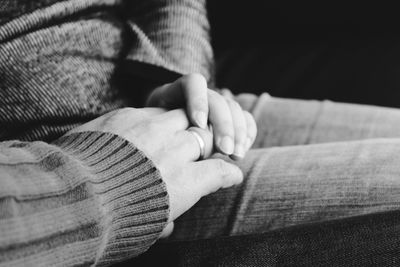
(164, 137)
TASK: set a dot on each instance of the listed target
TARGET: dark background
(338, 51)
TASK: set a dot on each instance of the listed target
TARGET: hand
(164, 138)
(234, 129)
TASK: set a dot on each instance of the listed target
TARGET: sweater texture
(89, 198)
(84, 198)
(60, 60)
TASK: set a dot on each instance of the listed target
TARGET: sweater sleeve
(88, 198)
(172, 34)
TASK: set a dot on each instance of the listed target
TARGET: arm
(88, 198)
(174, 35)
(93, 197)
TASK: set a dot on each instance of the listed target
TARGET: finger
(190, 89)
(213, 174)
(169, 96)
(240, 128)
(195, 91)
(188, 147)
(221, 119)
(149, 112)
(227, 93)
(160, 97)
(251, 130)
(167, 230)
(172, 121)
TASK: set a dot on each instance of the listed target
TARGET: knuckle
(226, 93)
(126, 110)
(215, 96)
(232, 102)
(211, 93)
(152, 126)
(148, 127)
(128, 113)
(248, 115)
(217, 99)
(237, 106)
(112, 115)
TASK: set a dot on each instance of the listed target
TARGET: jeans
(312, 161)
(322, 183)
(369, 240)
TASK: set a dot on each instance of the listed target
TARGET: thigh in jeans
(296, 179)
(283, 122)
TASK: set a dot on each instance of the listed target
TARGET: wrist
(128, 189)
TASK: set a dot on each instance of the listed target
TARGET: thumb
(195, 90)
(190, 91)
(213, 174)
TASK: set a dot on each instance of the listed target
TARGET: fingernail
(226, 145)
(239, 152)
(201, 119)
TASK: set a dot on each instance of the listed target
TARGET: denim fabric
(322, 183)
(370, 240)
(312, 161)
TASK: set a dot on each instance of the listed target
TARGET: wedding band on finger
(201, 142)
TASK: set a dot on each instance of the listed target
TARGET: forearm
(89, 198)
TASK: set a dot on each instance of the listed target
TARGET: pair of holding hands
(234, 129)
(164, 137)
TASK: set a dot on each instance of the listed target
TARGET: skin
(234, 130)
(162, 135)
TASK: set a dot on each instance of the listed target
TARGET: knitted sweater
(85, 198)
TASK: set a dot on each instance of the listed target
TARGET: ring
(201, 142)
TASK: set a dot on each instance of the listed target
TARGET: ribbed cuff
(130, 190)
